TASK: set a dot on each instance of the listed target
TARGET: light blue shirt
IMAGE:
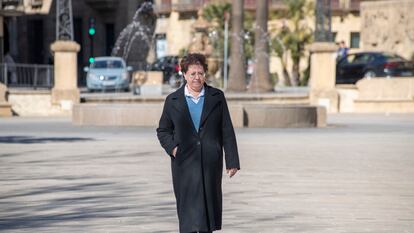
(195, 106)
(194, 99)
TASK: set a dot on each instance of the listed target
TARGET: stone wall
(388, 26)
(35, 103)
(378, 95)
(5, 107)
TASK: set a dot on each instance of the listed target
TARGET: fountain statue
(135, 40)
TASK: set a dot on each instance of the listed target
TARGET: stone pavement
(354, 176)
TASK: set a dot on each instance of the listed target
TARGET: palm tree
(214, 13)
(280, 49)
(237, 77)
(260, 81)
(295, 35)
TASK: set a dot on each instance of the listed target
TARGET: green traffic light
(92, 31)
(91, 60)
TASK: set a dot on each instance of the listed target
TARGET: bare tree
(237, 77)
(261, 77)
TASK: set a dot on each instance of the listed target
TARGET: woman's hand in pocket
(174, 152)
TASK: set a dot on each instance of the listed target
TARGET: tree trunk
(295, 74)
(237, 77)
(286, 77)
(261, 76)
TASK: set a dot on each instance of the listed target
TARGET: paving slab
(354, 176)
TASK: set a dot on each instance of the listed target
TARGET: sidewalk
(353, 176)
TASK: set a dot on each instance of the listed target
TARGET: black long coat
(198, 166)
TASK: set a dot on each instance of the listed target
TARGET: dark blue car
(168, 65)
(356, 66)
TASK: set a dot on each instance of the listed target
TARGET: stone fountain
(135, 40)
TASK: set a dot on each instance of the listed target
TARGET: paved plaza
(355, 176)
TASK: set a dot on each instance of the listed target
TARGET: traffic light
(92, 29)
(91, 33)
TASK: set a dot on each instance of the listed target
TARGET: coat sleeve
(165, 131)
(229, 138)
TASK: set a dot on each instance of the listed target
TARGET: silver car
(108, 73)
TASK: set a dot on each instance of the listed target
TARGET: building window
(355, 37)
(160, 45)
(334, 36)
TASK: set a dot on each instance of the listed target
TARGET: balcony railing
(10, 4)
(26, 75)
(353, 6)
(166, 6)
(11, 7)
(273, 4)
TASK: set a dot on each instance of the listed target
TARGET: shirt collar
(187, 92)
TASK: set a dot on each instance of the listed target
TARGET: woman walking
(194, 128)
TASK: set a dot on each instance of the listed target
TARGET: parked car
(108, 73)
(356, 66)
(168, 65)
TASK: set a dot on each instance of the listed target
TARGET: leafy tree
(214, 13)
(281, 51)
(293, 36)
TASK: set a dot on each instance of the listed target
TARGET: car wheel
(370, 74)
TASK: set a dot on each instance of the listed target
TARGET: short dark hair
(193, 59)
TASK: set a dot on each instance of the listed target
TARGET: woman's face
(195, 77)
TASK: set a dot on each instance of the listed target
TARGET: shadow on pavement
(33, 140)
(57, 204)
(89, 204)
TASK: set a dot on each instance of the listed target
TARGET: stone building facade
(388, 26)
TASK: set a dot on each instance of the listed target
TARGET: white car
(108, 73)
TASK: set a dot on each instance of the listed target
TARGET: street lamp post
(65, 91)
(323, 31)
(322, 79)
(64, 20)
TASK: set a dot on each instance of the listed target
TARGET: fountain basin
(242, 114)
(284, 116)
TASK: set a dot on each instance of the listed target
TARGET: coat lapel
(180, 104)
(210, 101)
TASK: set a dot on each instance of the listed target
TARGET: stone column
(322, 76)
(65, 91)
